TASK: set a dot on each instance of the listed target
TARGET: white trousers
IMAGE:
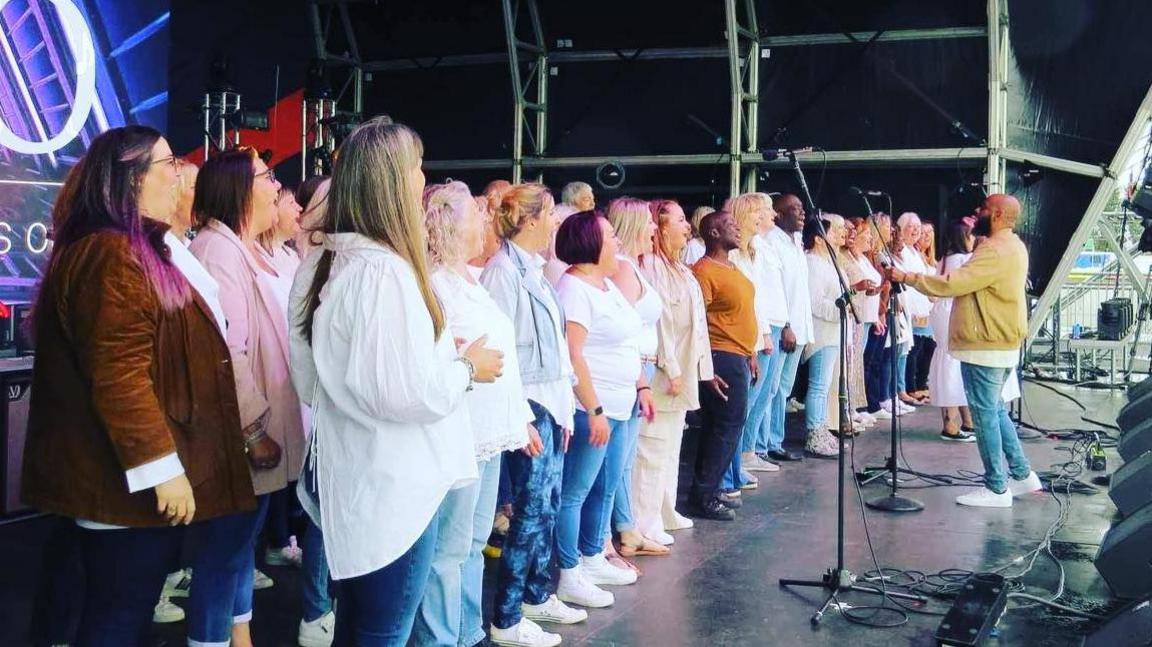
(656, 472)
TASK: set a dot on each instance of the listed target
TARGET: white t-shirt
(650, 307)
(500, 413)
(612, 347)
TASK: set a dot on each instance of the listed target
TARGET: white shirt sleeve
(395, 371)
(577, 302)
(153, 473)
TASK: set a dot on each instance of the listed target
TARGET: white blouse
(765, 273)
(825, 289)
(650, 307)
(867, 307)
(391, 435)
(611, 348)
(794, 269)
(499, 411)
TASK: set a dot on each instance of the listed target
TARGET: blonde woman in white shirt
(387, 385)
(451, 611)
(694, 249)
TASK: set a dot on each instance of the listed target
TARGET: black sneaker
(712, 509)
(780, 455)
(958, 437)
(729, 501)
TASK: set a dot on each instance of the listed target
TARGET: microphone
(777, 153)
(871, 193)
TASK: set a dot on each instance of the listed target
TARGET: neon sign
(76, 29)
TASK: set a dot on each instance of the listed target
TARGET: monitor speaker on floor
(1138, 409)
(1131, 486)
(1131, 626)
(1139, 389)
(1124, 559)
(1135, 440)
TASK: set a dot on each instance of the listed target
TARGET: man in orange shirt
(732, 329)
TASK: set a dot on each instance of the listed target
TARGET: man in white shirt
(784, 240)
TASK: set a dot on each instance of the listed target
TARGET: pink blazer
(258, 341)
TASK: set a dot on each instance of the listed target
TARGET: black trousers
(721, 422)
(919, 361)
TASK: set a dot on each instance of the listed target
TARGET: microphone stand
(837, 579)
(892, 502)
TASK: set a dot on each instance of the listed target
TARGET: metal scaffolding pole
(744, 74)
(998, 49)
(1104, 192)
(1123, 258)
(536, 71)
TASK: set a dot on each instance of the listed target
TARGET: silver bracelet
(471, 371)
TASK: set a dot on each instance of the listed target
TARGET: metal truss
(744, 72)
(317, 139)
(528, 63)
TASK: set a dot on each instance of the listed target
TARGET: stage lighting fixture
(610, 175)
(249, 120)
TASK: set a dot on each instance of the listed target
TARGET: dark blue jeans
(722, 423)
(223, 561)
(377, 609)
(524, 573)
(877, 370)
(124, 572)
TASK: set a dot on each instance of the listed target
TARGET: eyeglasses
(270, 174)
(171, 160)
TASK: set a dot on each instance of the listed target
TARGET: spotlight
(248, 120)
(610, 175)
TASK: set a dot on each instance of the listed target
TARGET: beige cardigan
(258, 340)
(682, 336)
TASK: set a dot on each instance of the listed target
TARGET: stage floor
(719, 586)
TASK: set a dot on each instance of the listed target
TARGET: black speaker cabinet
(1125, 555)
(1139, 389)
(16, 385)
(1135, 441)
(1131, 487)
(1130, 627)
(1138, 409)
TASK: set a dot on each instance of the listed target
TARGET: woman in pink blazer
(235, 202)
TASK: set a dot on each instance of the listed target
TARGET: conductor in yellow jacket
(988, 325)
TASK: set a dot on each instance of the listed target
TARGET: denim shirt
(525, 302)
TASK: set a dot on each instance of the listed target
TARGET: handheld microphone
(871, 193)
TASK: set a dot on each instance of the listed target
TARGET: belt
(648, 359)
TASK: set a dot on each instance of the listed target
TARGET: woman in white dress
(945, 386)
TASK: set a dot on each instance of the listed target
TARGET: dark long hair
(956, 239)
(102, 193)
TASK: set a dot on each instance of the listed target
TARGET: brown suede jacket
(118, 383)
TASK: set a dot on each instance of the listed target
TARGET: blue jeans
(223, 561)
(124, 574)
(586, 496)
(377, 609)
(778, 399)
(760, 418)
(820, 367)
(314, 574)
(524, 573)
(439, 620)
(472, 600)
(757, 403)
(622, 498)
(877, 370)
(902, 369)
(995, 434)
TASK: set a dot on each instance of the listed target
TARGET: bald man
(989, 323)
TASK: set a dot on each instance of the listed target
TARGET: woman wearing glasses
(235, 201)
(148, 439)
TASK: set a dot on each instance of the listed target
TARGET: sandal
(619, 562)
(646, 547)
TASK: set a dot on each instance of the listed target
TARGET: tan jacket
(118, 382)
(989, 311)
(682, 334)
(258, 339)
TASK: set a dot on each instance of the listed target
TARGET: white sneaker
(661, 537)
(597, 570)
(290, 555)
(176, 585)
(260, 581)
(680, 522)
(794, 405)
(553, 610)
(867, 418)
(886, 406)
(317, 633)
(882, 414)
(906, 408)
(166, 612)
(753, 463)
(985, 498)
(524, 634)
(577, 590)
(1028, 485)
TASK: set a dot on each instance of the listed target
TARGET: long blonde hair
(372, 195)
(744, 209)
(630, 218)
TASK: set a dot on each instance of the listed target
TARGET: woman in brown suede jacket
(134, 427)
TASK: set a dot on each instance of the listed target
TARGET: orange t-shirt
(729, 299)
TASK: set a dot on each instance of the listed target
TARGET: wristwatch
(598, 411)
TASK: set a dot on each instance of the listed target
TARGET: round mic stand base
(895, 503)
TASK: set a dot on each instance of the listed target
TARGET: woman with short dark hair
(236, 202)
(129, 338)
(603, 339)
